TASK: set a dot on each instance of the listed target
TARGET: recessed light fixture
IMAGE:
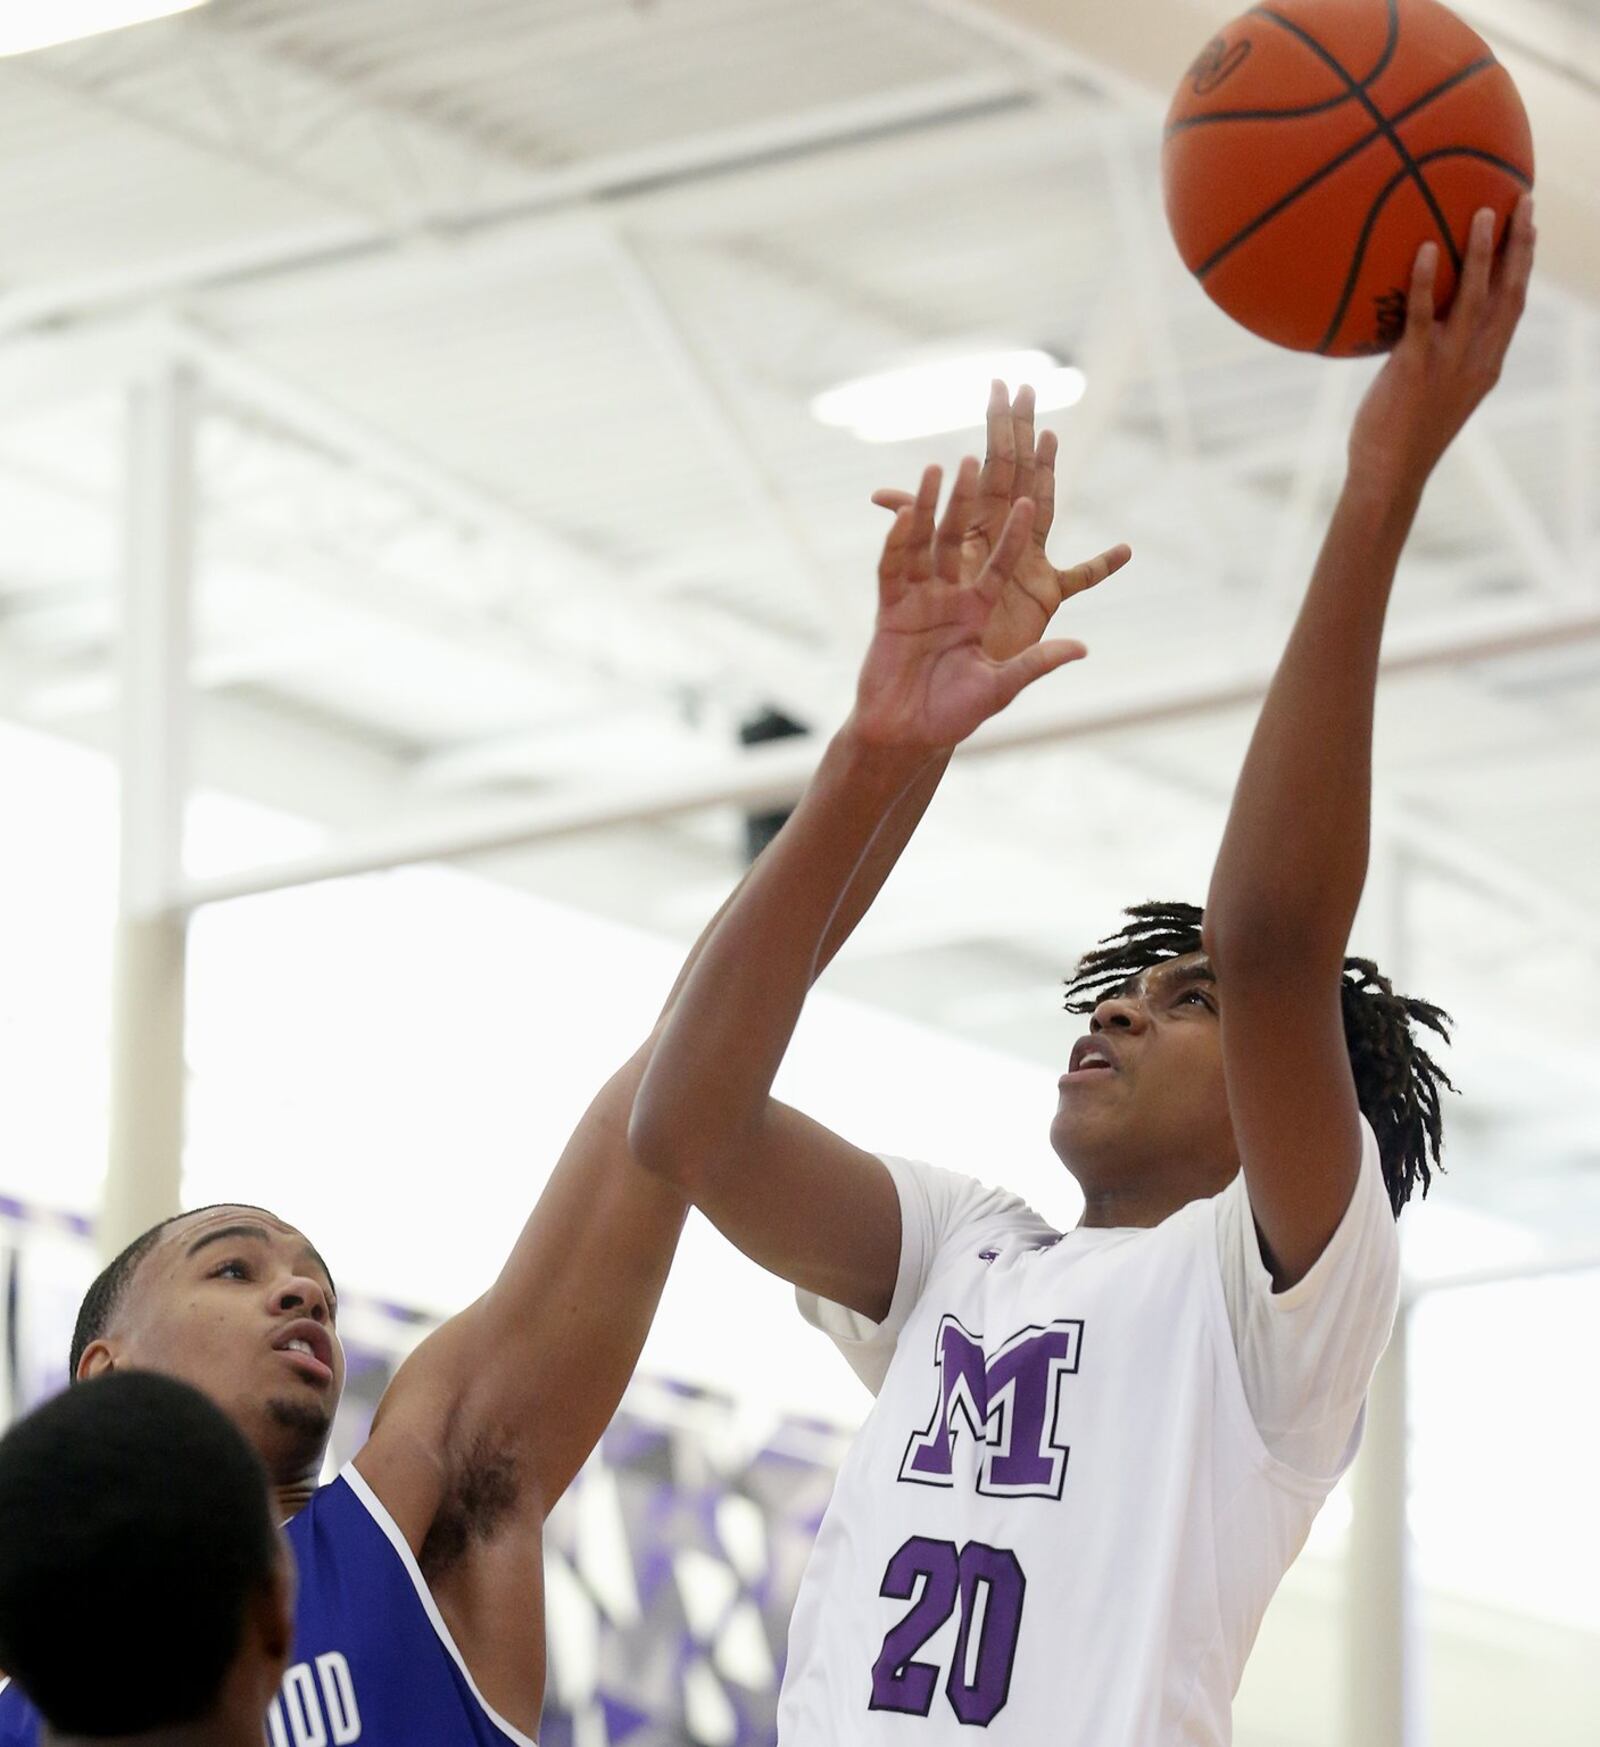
(25, 27)
(943, 394)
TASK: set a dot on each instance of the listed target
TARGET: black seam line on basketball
(1514, 171)
(1391, 43)
(1378, 116)
(1383, 200)
(1333, 103)
(1311, 108)
(1190, 121)
(1223, 250)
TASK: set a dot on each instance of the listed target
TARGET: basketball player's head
(234, 1301)
(1159, 1111)
(144, 1587)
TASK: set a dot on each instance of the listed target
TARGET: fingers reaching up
(1018, 466)
(1490, 296)
(1009, 464)
(932, 674)
(1079, 578)
(953, 525)
(1508, 295)
(1015, 534)
(1441, 370)
(1419, 300)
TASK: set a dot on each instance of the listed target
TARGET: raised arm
(1293, 860)
(795, 1197)
(486, 1423)
(549, 1348)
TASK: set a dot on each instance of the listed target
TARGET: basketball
(1315, 145)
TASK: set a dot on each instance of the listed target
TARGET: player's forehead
(1173, 973)
(196, 1233)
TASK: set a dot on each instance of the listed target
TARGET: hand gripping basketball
(1441, 370)
(1314, 144)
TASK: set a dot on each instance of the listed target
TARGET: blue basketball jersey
(373, 1660)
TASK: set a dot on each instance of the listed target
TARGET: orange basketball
(1315, 145)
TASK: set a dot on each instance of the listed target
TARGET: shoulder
(1365, 1244)
(948, 1204)
(944, 1216)
(1305, 1356)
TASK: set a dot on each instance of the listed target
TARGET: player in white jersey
(1093, 1454)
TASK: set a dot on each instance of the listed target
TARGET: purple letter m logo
(1008, 1406)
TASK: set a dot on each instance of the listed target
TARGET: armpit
(483, 1493)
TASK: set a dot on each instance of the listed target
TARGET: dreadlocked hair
(1398, 1083)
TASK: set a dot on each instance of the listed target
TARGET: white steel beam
(710, 408)
(1382, 1688)
(48, 371)
(1578, 424)
(1038, 44)
(775, 775)
(1143, 273)
(624, 181)
(558, 567)
(1547, 567)
(95, 101)
(230, 374)
(1428, 844)
(1296, 529)
(1549, 1268)
(144, 1164)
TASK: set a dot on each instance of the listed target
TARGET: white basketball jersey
(1061, 1523)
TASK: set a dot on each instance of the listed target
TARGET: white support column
(1582, 363)
(1381, 1664)
(1382, 1697)
(143, 1171)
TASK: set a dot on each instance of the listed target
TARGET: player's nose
(1118, 1013)
(302, 1296)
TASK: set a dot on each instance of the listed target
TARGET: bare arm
(546, 1353)
(484, 1426)
(796, 1197)
(539, 1363)
(1293, 861)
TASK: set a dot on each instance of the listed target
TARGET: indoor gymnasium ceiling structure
(507, 319)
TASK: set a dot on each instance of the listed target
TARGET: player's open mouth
(307, 1364)
(1090, 1059)
(309, 1348)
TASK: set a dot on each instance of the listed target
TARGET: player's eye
(1196, 995)
(236, 1267)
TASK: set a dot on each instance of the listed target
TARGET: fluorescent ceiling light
(25, 27)
(944, 394)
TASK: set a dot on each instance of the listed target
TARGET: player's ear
(273, 1612)
(94, 1361)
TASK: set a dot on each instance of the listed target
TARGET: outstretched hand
(928, 681)
(1016, 467)
(1441, 370)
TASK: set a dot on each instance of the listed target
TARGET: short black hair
(110, 1285)
(1397, 1082)
(133, 1508)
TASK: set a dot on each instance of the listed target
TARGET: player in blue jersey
(136, 1500)
(419, 1617)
